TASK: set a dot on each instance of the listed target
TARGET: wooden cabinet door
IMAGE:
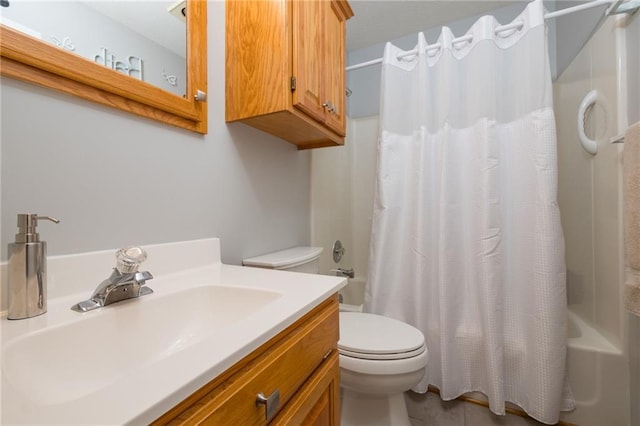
(334, 37)
(308, 57)
(318, 402)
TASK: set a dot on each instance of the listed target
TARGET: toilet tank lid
(285, 258)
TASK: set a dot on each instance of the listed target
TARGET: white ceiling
(377, 21)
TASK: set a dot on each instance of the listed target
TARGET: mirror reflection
(145, 40)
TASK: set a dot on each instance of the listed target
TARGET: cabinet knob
(200, 96)
(270, 403)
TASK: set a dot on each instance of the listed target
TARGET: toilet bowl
(380, 358)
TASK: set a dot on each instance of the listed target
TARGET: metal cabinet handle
(329, 106)
(200, 96)
(270, 403)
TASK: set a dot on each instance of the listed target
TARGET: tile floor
(430, 410)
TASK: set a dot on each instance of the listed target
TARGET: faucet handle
(129, 258)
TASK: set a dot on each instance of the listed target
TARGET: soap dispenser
(28, 270)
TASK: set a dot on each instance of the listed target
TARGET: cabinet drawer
(283, 366)
(318, 402)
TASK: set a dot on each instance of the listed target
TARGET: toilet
(380, 357)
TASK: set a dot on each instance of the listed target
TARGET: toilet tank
(296, 259)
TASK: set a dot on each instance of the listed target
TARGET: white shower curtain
(466, 240)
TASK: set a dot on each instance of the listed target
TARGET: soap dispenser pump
(28, 269)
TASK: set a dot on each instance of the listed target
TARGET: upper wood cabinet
(285, 63)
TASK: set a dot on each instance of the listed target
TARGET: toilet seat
(391, 356)
(375, 337)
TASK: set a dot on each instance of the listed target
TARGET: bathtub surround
(591, 203)
(631, 179)
(632, 32)
(341, 199)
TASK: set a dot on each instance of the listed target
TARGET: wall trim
(510, 410)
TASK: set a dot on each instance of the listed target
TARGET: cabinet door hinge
(293, 84)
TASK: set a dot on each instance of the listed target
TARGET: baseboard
(510, 410)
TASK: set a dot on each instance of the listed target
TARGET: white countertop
(151, 385)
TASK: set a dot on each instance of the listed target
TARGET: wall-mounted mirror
(147, 58)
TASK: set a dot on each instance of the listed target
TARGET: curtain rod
(514, 25)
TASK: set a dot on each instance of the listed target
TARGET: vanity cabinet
(300, 363)
(285, 73)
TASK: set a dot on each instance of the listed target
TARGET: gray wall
(116, 179)
(573, 31)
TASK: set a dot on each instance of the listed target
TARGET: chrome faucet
(125, 282)
(344, 272)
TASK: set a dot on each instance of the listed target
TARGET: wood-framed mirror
(30, 59)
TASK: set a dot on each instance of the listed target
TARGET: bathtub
(353, 292)
(598, 376)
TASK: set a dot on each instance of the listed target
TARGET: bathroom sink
(103, 347)
(132, 361)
